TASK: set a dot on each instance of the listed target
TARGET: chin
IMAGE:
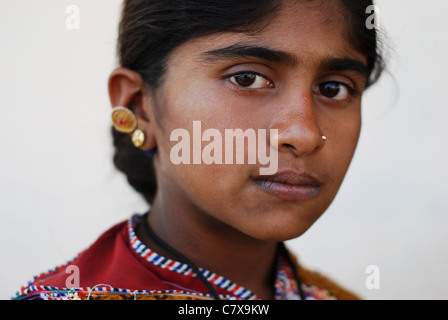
(280, 230)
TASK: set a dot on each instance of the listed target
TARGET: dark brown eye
(330, 89)
(250, 80)
(245, 79)
(334, 90)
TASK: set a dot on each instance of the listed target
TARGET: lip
(289, 185)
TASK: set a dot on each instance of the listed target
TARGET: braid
(135, 164)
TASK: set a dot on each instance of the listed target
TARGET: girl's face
(299, 75)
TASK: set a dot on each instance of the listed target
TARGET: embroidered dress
(119, 266)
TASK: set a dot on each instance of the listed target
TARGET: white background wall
(59, 190)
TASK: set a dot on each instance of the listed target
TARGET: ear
(127, 89)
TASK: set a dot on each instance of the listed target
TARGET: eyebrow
(238, 51)
(346, 64)
(241, 51)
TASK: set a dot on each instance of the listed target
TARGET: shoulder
(86, 269)
(320, 286)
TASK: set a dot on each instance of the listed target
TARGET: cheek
(210, 104)
(350, 134)
(341, 145)
(199, 102)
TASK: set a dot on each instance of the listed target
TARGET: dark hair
(364, 39)
(151, 29)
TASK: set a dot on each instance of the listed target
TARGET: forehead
(301, 22)
(308, 29)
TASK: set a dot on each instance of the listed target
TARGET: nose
(298, 127)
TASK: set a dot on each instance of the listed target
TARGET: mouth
(289, 185)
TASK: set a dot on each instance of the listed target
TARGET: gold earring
(138, 138)
(123, 120)
(324, 138)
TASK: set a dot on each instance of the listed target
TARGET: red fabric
(112, 261)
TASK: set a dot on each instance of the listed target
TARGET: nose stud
(324, 138)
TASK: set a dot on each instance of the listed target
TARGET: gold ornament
(124, 120)
(138, 138)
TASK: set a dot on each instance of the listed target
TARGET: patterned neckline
(285, 286)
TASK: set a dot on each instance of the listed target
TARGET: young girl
(289, 75)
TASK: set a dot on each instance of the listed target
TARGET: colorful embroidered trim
(285, 285)
(176, 266)
(108, 292)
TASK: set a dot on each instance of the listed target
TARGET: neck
(212, 245)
